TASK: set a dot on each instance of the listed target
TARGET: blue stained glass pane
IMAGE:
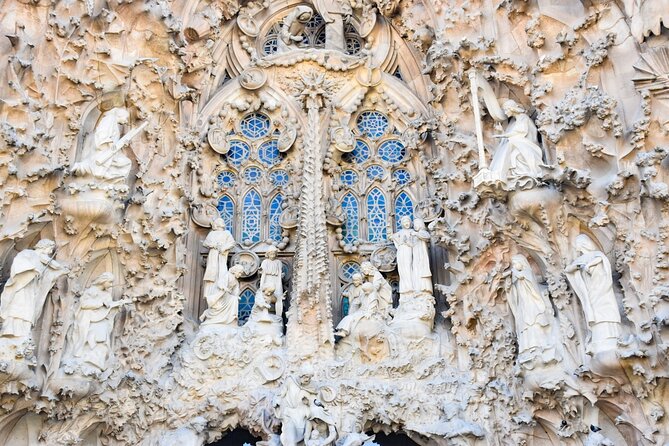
(376, 216)
(226, 178)
(351, 229)
(252, 174)
(402, 176)
(270, 46)
(251, 217)
(349, 177)
(255, 126)
(246, 301)
(238, 153)
(348, 269)
(226, 209)
(359, 154)
(274, 216)
(269, 154)
(375, 172)
(314, 23)
(372, 124)
(345, 305)
(279, 177)
(403, 206)
(392, 151)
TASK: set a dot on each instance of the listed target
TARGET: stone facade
(317, 222)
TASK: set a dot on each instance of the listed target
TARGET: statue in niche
(293, 26)
(533, 315)
(32, 275)
(271, 270)
(380, 286)
(90, 339)
(355, 296)
(298, 407)
(220, 242)
(334, 14)
(518, 158)
(223, 299)
(422, 276)
(108, 163)
(590, 278)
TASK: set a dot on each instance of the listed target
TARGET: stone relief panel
(328, 222)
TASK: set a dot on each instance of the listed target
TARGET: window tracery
(246, 300)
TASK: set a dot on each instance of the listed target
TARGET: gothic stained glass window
(279, 177)
(268, 153)
(402, 176)
(359, 154)
(246, 301)
(226, 209)
(351, 229)
(375, 172)
(372, 124)
(403, 207)
(251, 217)
(377, 229)
(348, 177)
(238, 153)
(392, 151)
(255, 126)
(274, 216)
(226, 178)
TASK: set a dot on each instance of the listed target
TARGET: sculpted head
(584, 244)
(45, 246)
(272, 252)
(218, 224)
(121, 115)
(268, 290)
(237, 271)
(519, 262)
(104, 280)
(406, 222)
(357, 279)
(512, 108)
(418, 224)
(367, 268)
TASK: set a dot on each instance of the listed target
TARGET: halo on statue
(203, 214)
(384, 258)
(249, 260)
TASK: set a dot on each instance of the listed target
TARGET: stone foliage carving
(139, 141)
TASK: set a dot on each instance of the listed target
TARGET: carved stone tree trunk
(310, 316)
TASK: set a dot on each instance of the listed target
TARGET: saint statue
(90, 339)
(405, 240)
(532, 312)
(271, 270)
(519, 155)
(220, 242)
(223, 299)
(355, 296)
(420, 270)
(31, 277)
(334, 13)
(107, 162)
(292, 30)
(590, 277)
(384, 292)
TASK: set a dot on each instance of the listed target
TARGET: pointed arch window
(226, 209)
(351, 229)
(246, 301)
(274, 218)
(251, 212)
(403, 207)
(377, 228)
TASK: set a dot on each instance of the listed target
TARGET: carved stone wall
(467, 202)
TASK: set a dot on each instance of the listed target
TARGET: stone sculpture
(220, 242)
(590, 277)
(533, 314)
(293, 25)
(413, 262)
(355, 296)
(223, 299)
(108, 163)
(89, 342)
(518, 157)
(33, 273)
(384, 299)
(271, 273)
